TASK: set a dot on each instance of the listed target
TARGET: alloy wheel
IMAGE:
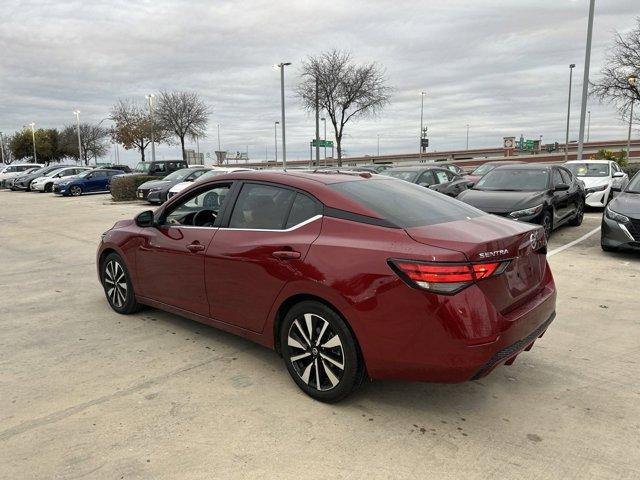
(76, 191)
(580, 214)
(316, 352)
(115, 283)
(546, 224)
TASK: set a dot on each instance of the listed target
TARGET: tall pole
(633, 81)
(77, 114)
(566, 142)
(284, 142)
(324, 121)
(219, 148)
(588, 124)
(2, 147)
(275, 138)
(378, 155)
(33, 137)
(150, 98)
(585, 79)
(317, 123)
(467, 136)
(198, 149)
(422, 94)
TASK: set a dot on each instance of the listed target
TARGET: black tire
(48, 188)
(29, 186)
(75, 190)
(577, 220)
(607, 248)
(119, 294)
(329, 370)
(547, 223)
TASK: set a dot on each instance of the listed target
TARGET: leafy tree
(623, 61)
(94, 140)
(184, 114)
(620, 158)
(346, 91)
(47, 145)
(133, 127)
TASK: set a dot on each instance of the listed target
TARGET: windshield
(179, 175)
(143, 167)
(52, 172)
(483, 169)
(634, 184)
(516, 180)
(407, 175)
(212, 173)
(406, 204)
(588, 169)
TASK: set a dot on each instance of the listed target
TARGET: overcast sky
(499, 66)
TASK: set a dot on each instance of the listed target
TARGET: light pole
(585, 79)
(588, 123)
(77, 114)
(33, 137)
(378, 146)
(633, 81)
(275, 138)
(324, 121)
(422, 94)
(566, 142)
(467, 136)
(2, 147)
(219, 148)
(284, 143)
(150, 99)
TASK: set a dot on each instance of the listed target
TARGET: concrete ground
(87, 393)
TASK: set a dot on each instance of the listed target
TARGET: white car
(45, 183)
(13, 170)
(598, 177)
(215, 171)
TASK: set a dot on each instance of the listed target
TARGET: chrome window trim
(290, 229)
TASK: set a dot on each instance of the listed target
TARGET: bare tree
(346, 91)
(93, 140)
(133, 126)
(623, 61)
(184, 114)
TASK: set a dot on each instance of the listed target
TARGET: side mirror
(561, 187)
(145, 219)
(618, 175)
(470, 184)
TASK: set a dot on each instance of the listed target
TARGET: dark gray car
(439, 179)
(621, 219)
(155, 191)
(23, 182)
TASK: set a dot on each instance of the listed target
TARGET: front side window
(441, 176)
(261, 207)
(557, 178)
(201, 210)
(426, 179)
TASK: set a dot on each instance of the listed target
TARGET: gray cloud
(501, 67)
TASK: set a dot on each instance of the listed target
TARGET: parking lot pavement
(87, 393)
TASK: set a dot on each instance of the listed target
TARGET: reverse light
(527, 212)
(446, 278)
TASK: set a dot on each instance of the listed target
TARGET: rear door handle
(286, 254)
(195, 247)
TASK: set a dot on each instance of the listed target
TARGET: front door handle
(286, 254)
(195, 247)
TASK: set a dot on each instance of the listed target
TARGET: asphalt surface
(88, 393)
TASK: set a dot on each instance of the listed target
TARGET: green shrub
(620, 157)
(631, 169)
(123, 187)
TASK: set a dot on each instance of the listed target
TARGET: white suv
(598, 177)
(8, 172)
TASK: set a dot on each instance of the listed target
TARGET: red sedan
(347, 276)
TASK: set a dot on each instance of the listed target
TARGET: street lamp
(588, 124)
(467, 136)
(422, 94)
(566, 143)
(77, 114)
(284, 143)
(633, 82)
(378, 145)
(275, 138)
(219, 148)
(33, 137)
(2, 147)
(324, 121)
(585, 79)
(150, 99)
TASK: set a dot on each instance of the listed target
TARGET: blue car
(87, 182)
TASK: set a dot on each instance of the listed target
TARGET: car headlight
(596, 189)
(610, 214)
(527, 212)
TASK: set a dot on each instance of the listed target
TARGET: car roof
(590, 161)
(416, 168)
(525, 166)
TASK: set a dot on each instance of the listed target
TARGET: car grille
(634, 228)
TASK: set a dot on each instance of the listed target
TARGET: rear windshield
(406, 204)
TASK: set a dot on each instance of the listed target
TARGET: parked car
(449, 166)
(45, 182)
(14, 170)
(122, 168)
(156, 191)
(598, 177)
(544, 194)
(485, 168)
(24, 180)
(159, 168)
(91, 181)
(177, 188)
(351, 275)
(621, 219)
(439, 179)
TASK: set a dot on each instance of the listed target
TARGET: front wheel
(320, 352)
(75, 190)
(117, 285)
(48, 188)
(547, 223)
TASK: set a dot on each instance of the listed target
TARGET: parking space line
(571, 244)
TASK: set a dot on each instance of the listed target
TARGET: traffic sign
(322, 143)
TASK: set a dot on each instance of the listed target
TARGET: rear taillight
(445, 278)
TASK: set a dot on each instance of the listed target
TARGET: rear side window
(441, 176)
(303, 209)
(261, 207)
(406, 204)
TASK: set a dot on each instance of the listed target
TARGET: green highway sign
(322, 143)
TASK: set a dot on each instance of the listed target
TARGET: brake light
(443, 277)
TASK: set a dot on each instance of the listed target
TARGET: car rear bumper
(462, 337)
